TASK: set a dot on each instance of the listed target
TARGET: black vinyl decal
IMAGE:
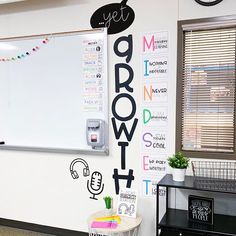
(117, 17)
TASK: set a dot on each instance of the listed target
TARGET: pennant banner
(25, 54)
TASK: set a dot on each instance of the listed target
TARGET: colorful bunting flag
(26, 54)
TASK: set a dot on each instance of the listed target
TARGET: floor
(7, 231)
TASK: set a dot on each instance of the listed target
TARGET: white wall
(37, 187)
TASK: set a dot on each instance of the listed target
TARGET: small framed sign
(200, 209)
(127, 202)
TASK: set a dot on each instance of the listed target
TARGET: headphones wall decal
(74, 173)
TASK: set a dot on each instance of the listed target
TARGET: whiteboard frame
(105, 150)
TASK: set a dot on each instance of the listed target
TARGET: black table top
(200, 183)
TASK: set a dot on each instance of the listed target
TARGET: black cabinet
(175, 221)
(171, 232)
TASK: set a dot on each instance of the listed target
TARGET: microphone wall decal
(95, 187)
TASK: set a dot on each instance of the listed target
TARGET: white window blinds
(208, 101)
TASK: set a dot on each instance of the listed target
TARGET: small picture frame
(127, 202)
(200, 209)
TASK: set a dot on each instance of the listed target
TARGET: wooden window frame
(179, 91)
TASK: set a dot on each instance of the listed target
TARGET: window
(205, 120)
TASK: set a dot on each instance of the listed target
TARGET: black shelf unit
(175, 222)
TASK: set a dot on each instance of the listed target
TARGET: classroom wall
(37, 187)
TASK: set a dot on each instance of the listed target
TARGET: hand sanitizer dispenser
(95, 130)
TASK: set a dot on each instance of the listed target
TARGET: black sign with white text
(116, 17)
(200, 209)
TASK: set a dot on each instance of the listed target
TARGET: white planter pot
(178, 174)
(108, 212)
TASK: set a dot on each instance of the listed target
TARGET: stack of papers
(110, 222)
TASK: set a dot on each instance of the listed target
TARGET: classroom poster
(154, 141)
(155, 67)
(92, 75)
(153, 164)
(155, 93)
(155, 42)
(154, 135)
(149, 187)
(155, 116)
(127, 202)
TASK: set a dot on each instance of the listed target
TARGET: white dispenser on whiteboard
(95, 130)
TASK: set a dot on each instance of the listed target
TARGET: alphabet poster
(154, 135)
(149, 187)
(153, 163)
(155, 67)
(154, 141)
(155, 42)
(154, 93)
(156, 116)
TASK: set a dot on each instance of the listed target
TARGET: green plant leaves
(178, 161)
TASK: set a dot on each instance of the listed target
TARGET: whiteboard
(49, 86)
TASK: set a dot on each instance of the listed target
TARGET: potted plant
(108, 204)
(179, 164)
